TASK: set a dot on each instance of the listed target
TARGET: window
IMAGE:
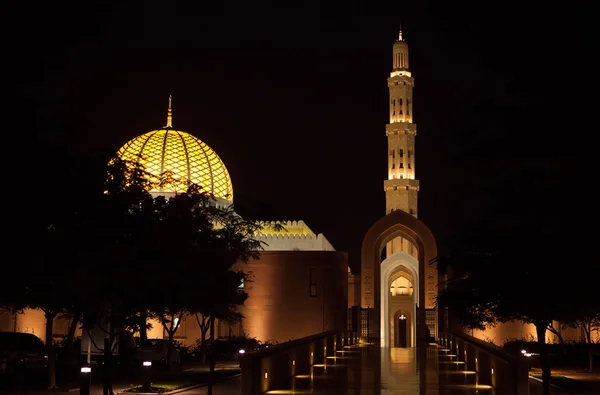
(393, 154)
(313, 282)
(408, 107)
(409, 166)
(401, 165)
(400, 102)
(401, 152)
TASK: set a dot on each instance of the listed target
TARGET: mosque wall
(295, 294)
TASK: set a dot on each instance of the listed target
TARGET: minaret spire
(170, 114)
(400, 34)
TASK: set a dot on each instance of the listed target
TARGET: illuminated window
(313, 282)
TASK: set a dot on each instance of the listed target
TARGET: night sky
(293, 96)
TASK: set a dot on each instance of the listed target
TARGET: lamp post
(147, 375)
(85, 383)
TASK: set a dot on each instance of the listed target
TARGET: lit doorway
(401, 333)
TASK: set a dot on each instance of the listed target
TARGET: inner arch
(389, 268)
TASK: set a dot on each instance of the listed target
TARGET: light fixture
(242, 351)
(86, 369)
(147, 363)
(265, 374)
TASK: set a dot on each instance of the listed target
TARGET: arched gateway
(376, 276)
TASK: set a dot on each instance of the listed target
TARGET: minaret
(401, 187)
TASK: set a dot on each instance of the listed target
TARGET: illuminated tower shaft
(401, 187)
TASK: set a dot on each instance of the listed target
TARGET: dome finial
(170, 114)
(400, 34)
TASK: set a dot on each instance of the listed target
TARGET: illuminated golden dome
(185, 157)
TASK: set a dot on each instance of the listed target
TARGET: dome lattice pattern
(187, 157)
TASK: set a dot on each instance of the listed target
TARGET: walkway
(368, 369)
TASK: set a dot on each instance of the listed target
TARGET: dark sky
(293, 95)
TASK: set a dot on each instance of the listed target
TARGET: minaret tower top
(400, 53)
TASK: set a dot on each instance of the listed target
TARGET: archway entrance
(377, 278)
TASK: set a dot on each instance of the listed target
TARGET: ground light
(147, 375)
(85, 380)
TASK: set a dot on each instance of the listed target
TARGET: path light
(242, 351)
(85, 384)
(147, 375)
(523, 352)
(492, 370)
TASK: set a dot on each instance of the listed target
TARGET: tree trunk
(563, 347)
(108, 362)
(203, 329)
(588, 339)
(143, 328)
(211, 375)
(50, 349)
(170, 334)
(544, 357)
(72, 329)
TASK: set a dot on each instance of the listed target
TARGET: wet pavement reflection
(370, 369)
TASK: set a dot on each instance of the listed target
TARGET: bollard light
(294, 362)
(85, 383)
(147, 363)
(242, 351)
(523, 352)
(492, 370)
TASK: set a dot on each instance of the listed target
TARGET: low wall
(272, 368)
(508, 374)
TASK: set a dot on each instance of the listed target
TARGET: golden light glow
(187, 157)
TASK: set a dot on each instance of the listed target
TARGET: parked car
(21, 352)
(155, 350)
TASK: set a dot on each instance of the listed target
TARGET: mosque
(393, 299)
